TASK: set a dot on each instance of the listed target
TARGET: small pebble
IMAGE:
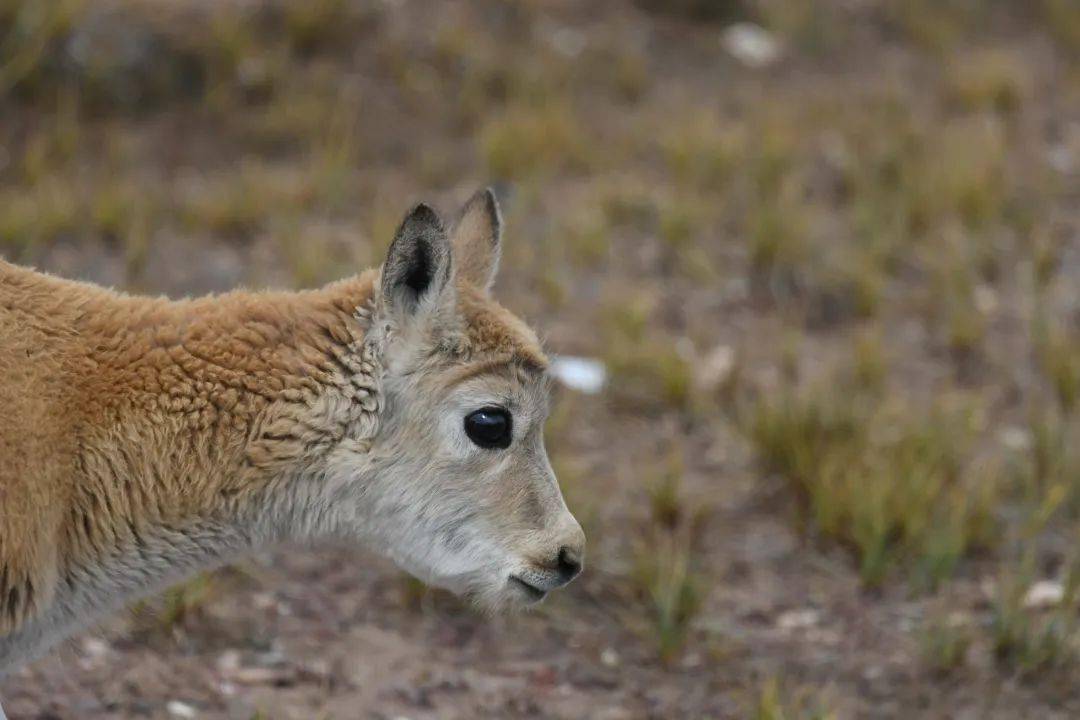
(180, 709)
(1044, 594)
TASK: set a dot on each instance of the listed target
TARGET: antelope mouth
(532, 593)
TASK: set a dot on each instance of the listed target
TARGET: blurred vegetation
(897, 488)
(776, 703)
(888, 247)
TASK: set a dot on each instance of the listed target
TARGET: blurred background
(826, 256)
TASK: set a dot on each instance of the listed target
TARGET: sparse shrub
(775, 154)
(1027, 640)
(631, 206)
(966, 328)
(648, 369)
(31, 35)
(237, 205)
(316, 24)
(774, 703)
(814, 28)
(631, 76)
(963, 173)
(701, 152)
(944, 641)
(1049, 470)
(719, 11)
(850, 289)
(526, 141)
(869, 364)
(1046, 253)
(664, 570)
(922, 178)
(1062, 21)
(650, 374)
(778, 244)
(46, 212)
(679, 223)
(1059, 359)
(936, 25)
(175, 606)
(887, 485)
(665, 494)
(117, 60)
(991, 80)
(587, 237)
(952, 307)
(183, 600)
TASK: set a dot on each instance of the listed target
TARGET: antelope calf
(143, 439)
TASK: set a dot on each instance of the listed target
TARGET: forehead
(497, 374)
(497, 335)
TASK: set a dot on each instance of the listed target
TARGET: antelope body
(143, 439)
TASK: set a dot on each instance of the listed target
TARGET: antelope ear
(477, 239)
(417, 270)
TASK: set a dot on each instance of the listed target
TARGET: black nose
(568, 564)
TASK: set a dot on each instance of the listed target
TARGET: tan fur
(128, 422)
(122, 411)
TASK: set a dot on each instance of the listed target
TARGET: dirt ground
(705, 222)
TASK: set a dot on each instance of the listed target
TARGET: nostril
(568, 564)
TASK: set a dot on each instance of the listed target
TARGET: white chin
(524, 593)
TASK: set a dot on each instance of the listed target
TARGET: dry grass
(1027, 641)
(896, 488)
(666, 572)
(944, 643)
(775, 703)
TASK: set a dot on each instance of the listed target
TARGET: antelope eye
(489, 428)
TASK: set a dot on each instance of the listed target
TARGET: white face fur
(458, 489)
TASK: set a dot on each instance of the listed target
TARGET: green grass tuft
(900, 490)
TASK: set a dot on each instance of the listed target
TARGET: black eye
(489, 428)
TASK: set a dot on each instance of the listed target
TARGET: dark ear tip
(424, 215)
(491, 205)
(492, 200)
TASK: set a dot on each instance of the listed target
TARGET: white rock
(1015, 438)
(798, 619)
(568, 42)
(692, 660)
(228, 661)
(716, 368)
(751, 45)
(94, 647)
(986, 300)
(585, 375)
(1060, 158)
(180, 709)
(94, 651)
(261, 675)
(264, 600)
(1044, 594)
(609, 657)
